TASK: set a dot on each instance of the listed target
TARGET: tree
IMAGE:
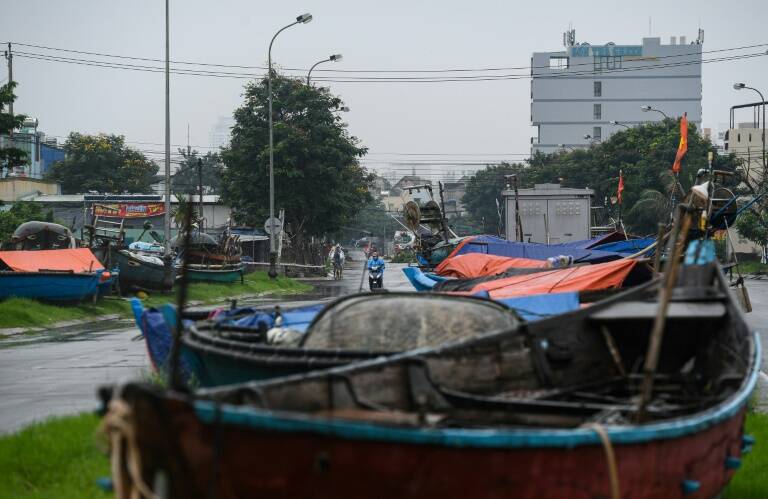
(752, 226)
(644, 154)
(484, 191)
(318, 179)
(102, 163)
(372, 219)
(10, 156)
(186, 179)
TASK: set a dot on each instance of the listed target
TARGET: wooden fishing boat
(70, 274)
(215, 273)
(224, 351)
(545, 409)
(139, 271)
(50, 286)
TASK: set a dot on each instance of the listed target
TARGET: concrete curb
(16, 331)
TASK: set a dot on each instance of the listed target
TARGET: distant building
(221, 132)
(549, 213)
(22, 188)
(453, 194)
(41, 151)
(745, 141)
(578, 92)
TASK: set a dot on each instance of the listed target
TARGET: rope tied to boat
(119, 425)
(610, 457)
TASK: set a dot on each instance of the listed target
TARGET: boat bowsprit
(543, 409)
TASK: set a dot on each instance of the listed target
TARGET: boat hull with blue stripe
(50, 286)
(545, 409)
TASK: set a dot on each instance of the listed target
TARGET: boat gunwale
(264, 419)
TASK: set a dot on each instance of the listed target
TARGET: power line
(368, 79)
(453, 70)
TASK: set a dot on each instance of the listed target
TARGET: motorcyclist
(337, 258)
(377, 262)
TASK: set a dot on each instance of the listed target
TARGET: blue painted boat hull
(49, 286)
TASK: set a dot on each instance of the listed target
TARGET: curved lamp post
(333, 58)
(618, 123)
(302, 19)
(648, 108)
(740, 86)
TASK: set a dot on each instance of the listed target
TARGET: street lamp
(618, 123)
(333, 58)
(647, 108)
(740, 86)
(302, 19)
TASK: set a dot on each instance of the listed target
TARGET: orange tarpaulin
(76, 260)
(587, 278)
(470, 265)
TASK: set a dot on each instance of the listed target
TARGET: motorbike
(375, 277)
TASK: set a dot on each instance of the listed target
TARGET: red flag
(621, 186)
(683, 147)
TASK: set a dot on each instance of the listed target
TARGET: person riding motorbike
(337, 258)
(375, 271)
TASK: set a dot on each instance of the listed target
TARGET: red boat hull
(248, 462)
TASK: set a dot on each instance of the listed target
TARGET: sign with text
(129, 210)
(607, 51)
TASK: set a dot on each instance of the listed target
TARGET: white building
(221, 132)
(585, 93)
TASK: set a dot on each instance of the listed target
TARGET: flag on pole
(683, 147)
(621, 187)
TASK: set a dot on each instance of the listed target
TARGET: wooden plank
(647, 311)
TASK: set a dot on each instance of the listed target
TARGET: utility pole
(200, 191)
(167, 228)
(9, 57)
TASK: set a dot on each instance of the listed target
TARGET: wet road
(57, 373)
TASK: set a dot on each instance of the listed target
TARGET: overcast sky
(450, 118)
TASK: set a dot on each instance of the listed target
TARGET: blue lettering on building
(607, 51)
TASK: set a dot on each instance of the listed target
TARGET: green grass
(751, 481)
(23, 312)
(753, 267)
(58, 458)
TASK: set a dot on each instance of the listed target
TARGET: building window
(606, 62)
(598, 89)
(597, 133)
(738, 137)
(597, 111)
(558, 62)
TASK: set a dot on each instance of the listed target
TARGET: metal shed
(549, 214)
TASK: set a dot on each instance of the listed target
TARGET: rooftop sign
(606, 50)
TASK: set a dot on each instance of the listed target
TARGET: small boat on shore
(63, 275)
(144, 271)
(216, 273)
(237, 347)
(543, 409)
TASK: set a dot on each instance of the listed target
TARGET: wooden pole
(665, 295)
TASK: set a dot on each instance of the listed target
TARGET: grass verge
(753, 267)
(23, 312)
(58, 458)
(751, 481)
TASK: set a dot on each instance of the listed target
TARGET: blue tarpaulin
(295, 318)
(497, 246)
(537, 307)
(628, 247)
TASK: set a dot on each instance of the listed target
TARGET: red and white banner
(129, 210)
